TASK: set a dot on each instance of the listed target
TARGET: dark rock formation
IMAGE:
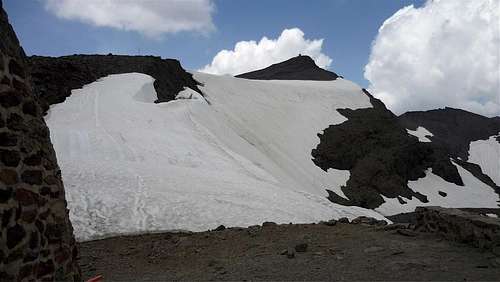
(453, 129)
(29, 251)
(297, 68)
(403, 218)
(54, 78)
(381, 156)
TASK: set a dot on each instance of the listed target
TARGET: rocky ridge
(453, 129)
(55, 77)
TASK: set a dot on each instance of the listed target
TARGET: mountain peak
(302, 60)
(297, 68)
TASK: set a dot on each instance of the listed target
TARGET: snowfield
(474, 194)
(486, 153)
(131, 166)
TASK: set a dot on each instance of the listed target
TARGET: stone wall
(36, 236)
(457, 225)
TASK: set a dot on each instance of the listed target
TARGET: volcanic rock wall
(54, 78)
(36, 236)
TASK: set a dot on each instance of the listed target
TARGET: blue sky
(347, 27)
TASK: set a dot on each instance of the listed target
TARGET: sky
(347, 27)
(409, 53)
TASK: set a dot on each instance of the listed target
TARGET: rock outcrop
(36, 236)
(297, 68)
(453, 129)
(380, 155)
(55, 77)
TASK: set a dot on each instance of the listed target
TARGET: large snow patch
(130, 165)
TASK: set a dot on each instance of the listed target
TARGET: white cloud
(251, 55)
(149, 17)
(446, 53)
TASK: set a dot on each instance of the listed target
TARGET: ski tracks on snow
(127, 153)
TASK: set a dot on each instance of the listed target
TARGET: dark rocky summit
(297, 68)
(55, 77)
(36, 236)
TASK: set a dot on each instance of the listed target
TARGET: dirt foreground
(288, 252)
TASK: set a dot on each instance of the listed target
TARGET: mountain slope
(247, 151)
(297, 68)
(452, 128)
(397, 163)
(471, 140)
(131, 165)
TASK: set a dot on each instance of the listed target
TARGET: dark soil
(297, 68)
(287, 252)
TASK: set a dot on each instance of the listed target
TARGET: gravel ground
(287, 252)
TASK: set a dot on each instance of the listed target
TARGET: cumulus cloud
(251, 55)
(151, 18)
(445, 53)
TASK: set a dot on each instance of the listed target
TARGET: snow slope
(474, 194)
(486, 153)
(130, 165)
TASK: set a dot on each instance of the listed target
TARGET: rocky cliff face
(55, 77)
(297, 68)
(36, 236)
